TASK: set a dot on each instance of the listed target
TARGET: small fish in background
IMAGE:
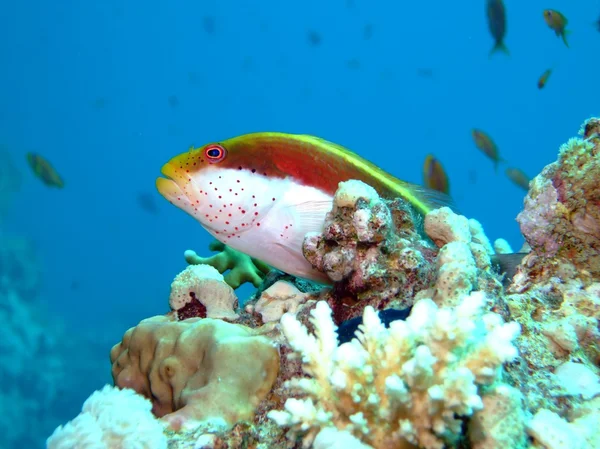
(496, 17)
(597, 24)
(472, 176)
(518, 177)
(314, 39)
(247, 63)
(208, 23)
(557, 22)
(100, 103)
(485, 143)
(425, 72)
(434, 175)
(193, 78)
(353, 64)
(368, 31)
(544, 79)
(44, 171)
(147, 202)
(173, 101)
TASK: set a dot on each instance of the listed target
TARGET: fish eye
(215, 153)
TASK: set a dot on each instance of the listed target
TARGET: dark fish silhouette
(496, 16)
(43, 170)
(347, 330)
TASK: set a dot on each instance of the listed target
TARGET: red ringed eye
(215, 153)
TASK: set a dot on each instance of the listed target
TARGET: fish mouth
(171, 187)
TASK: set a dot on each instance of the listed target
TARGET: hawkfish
(262, 193)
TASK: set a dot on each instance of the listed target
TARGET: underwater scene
(343, 224)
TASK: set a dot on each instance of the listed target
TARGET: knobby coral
(200, 291)
(399, 386)
(371, 249)
(197, 369)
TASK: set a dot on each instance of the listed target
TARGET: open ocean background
(109, 90)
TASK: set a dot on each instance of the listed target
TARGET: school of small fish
(497, 24)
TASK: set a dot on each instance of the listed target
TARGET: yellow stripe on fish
(261, 193)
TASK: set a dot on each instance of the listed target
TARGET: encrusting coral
(555, 296)
(242, 268)
(561, 218)
(405, 386)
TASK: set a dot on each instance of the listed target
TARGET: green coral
(242, 268)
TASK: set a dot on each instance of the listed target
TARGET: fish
(44, 171)
(261, 193)
(504, 264)
(146, 201)
(347, 329)
(496, 18)
(557, 22)
(485, 143)
(544, 79)
(434, 175)
(518, 177)
(173, 101)
(209, 25)
(314, 38)
(507, 265)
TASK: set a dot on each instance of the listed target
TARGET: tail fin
(564, 37)
(499, 46)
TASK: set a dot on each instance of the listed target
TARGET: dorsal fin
(433, 199)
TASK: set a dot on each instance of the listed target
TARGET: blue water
(87, 84)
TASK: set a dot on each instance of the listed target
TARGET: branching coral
(242, 268)
(111, 418)
(401, 386)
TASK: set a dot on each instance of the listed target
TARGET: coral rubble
(463, 363)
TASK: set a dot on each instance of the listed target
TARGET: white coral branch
(397, 385)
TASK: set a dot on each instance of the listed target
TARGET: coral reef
(372, 250)
(278, 299)
(443, 351)
(240, 268)
(191, 369)
(110, 418)
(200, 291)
(39, 357)
(561, 218)
(400, 387)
